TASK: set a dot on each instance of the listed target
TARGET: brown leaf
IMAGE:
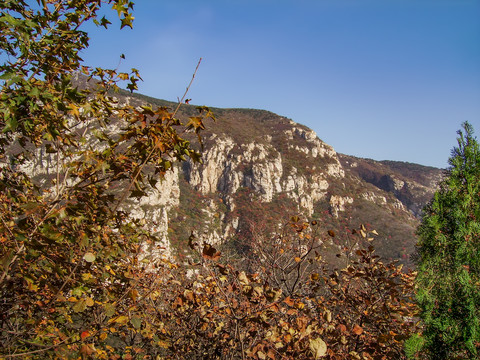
(87, 349)
(209, 252)
(222, 269)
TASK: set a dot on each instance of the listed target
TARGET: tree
(71, 277)
(448, 258)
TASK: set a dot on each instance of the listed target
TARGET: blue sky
(383, 79)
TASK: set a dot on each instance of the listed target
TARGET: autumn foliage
(75, 281)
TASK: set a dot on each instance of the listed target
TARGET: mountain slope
(258, 170)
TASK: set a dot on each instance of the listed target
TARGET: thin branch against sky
(385, 80)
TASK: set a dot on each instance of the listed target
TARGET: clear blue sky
(383, 79)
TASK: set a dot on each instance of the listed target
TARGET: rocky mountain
(258, 170)
(412, 184)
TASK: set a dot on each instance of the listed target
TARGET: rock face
(413, 185)
(154, 209)
(229, 166)
(338, 203)
(276, 163)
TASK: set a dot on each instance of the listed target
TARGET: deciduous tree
(71, 284)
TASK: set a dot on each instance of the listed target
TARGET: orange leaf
(84, 335)
(357, 330)
(87, 349)
(288, 300)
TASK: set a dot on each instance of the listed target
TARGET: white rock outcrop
(154, 208)
(338, 203)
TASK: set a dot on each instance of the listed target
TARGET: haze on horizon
(383, 80)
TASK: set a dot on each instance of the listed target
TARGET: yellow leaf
(261, 355)
(89, 257)
(89, 301)
(121, 319)
(163, 344)
(109, 269)
(300, 305)
(73, 110)
(328, 315)
(243, 278)
(318, 348)
(297, 259)
(86, 276)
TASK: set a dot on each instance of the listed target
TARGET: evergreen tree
(449, 258)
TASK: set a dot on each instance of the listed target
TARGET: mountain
(258, 170)
(412, 184)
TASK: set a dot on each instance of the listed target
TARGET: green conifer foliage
(449, 258)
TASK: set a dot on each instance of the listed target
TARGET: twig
(187, 89)
(38, 351)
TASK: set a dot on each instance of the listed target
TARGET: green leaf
(7, 75)
(109, 309)
(127, 21)
(10, 125)
(136, 322)
(104, 22)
